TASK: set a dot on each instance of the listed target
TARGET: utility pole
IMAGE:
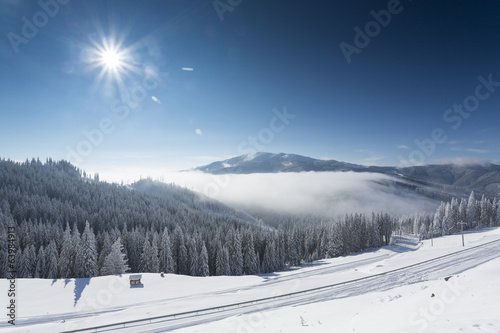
(432, 233)
(462, 229)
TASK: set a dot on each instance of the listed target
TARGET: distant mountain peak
(478, 177)
(264, 162)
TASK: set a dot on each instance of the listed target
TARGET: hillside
(59, 213)
(191, 199)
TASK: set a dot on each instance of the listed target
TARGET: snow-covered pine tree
(472, 211)
(52, 260)
(281, 250)
(149, 252)
(192, 254)
(222, 262)
(203, 269)
(41, 266)
(67, 256)
(250, 261)
(115, 262)
(154, 249)
(28, 262)
(454, 215)
(133, 243)
(105, 249)
(294, 248)
(180, 252)
(462, 213)
(235, 254)
(86, 257)
(485, 211)
(165, 253)
(269, 260)
(447, 223)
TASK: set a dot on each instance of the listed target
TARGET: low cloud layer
(318, 193)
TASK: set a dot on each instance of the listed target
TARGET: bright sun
(111, 58)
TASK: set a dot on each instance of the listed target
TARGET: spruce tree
(41, 266)
(67, 257)
(147, 258)
(115, 262)
(165, 253)
(236, 254)
(471, 211)
(52, 261)
(203, 269)
(86, 257)
(222, 261)
(250, 261)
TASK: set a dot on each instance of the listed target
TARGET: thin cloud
(155, 99)
(208, 158)
(198, 131)
(188, 69)
(464, 161)
(472, 150)
(403, 147)
(374, 158)
(139, 156)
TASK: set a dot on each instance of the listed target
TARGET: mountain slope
(477, 177)
(191, 199)
(271, 163)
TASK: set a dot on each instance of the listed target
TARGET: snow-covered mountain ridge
(482, 178)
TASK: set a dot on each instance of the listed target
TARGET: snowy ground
(391, 292)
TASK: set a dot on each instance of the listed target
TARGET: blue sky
(269, 76)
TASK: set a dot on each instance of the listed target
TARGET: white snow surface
(456, 293)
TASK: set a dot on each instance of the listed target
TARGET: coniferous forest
(71, 225)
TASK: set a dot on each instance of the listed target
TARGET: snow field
(466, 301)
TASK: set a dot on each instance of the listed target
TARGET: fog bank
(318, 193)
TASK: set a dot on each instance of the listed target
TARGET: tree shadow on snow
(80, 285)
(267, 275)
(66, 281)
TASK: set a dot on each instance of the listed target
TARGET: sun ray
(113, 61)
